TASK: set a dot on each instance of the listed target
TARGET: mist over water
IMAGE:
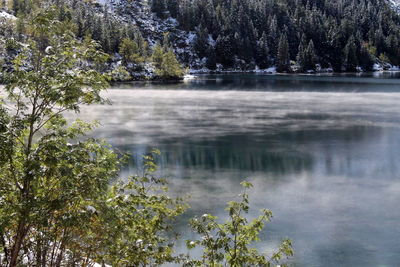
(322, 152)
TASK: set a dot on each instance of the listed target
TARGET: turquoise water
(322, 151)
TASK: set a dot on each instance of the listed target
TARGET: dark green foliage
(211, 62)
(57, 207)
(160, 8)
(165, 62)
(131, 52)
(230, 243)
(225, 51)
(244, 29)
(283, 57)
(60, 201)
(350, 55)
(306, 58)
(262, 53)
(200, 45)
(247, 32)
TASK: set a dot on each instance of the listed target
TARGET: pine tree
(302, 54)
(130, 51)
(350, 55)
(335, 52)
(157, 56)
(159, 7)
(283, 57)
(366, 59)
(166, 64)
(170, 68)
(166, 41)
(211, 62)
(201, 41)
(262, 55)
(273, 37)
(224, 50)
(173, 8)
(311, 56)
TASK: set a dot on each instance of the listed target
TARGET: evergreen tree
(283, 57)
(335, 52)
(224, 50)
(350, 55)
(166, 64)
(173, 8)
(130, 51)
(170, 67)
(245, 30)
(366, 59)
(273, 36)
(211, 62)
(262, 54)
(159, 7)
(311, 56)
(302, 54)
(157, 56)
(166, 41)
(200, 45)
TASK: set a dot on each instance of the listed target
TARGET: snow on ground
(188, 77)
(6, 15)
(267, 70)
(395, 4)
(377, 67)
(190, 38)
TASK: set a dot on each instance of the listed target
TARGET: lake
(323, 154)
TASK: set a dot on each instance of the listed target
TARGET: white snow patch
(91, 209)
(211, 40)
(188, 77)
(200, 71)
(270, 70)
(190, 38)
(6, 15)
(377, 67)
(395, 4)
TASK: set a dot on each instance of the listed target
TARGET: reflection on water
(322, 151)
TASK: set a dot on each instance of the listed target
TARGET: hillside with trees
(337, 34)
(61, 200)
(289, 35)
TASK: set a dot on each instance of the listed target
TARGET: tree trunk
(18, 240)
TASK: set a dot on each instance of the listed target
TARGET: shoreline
(193, 75)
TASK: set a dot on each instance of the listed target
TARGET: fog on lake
(322, 151)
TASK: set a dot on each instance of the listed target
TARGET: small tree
(170, 67)
(131, 224)
(130, 51)
(228, 244)
(157, 56)
(166, 64)
(39, 167)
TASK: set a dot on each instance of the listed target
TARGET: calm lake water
(322, 151)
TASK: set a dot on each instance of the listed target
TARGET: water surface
(322, 152)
